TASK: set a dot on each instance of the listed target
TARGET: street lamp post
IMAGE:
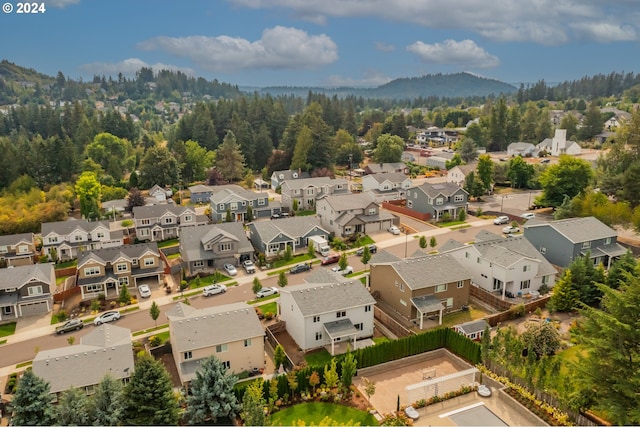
(350, 166)
(405, 230)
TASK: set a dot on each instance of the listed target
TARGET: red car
(331, 259)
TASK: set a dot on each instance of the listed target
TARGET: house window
(96, 287)
(6, 310)
(478, 260)
(439, 201)
(143, 232)
(316, 319)
(372, 211)
(262, 202)
(340, 314)
(401, 286)
(525, 284)
(92, 271)
(403, 302)
(226, 364)
(122, 267)
(309, 191)
(145, 222)
(410, 203)
(123, 281)
(545, 280)
(460, 284)
(234, 206)
(543, 250)
(188, 218)
(525, 268)
(35, 290)
(221, 207)
(100, 235)
(78, 238)
(222, 348)
(168, 220)
(149, 261)
(134, 261)
(359, 326)
(318, 336)
(247, 342)
(441, 288)
(188, 355)
(22, 249)
(53, 239)
(244, 203)
(3, 249)
(466, 255)
(607, 241)
(198, 263)
(225, 247)
(447, 302)
(586, 245)
(458, 198)
(497, 284)
(367, 308)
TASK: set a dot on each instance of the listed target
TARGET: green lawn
(208, 280)
(365, 240)
(295, 260)
(155, 328)
(174, 256)
(318, 357)
(380, 340)
(167, 243)
(7, 329)
(271, 307)
(474, 313)
(267, 298)
(450, 223)
(569, 356)
(67, 264)
(60, 280)
(305, 213)
(313, 413)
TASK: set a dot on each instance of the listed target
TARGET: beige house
(415, 288)
(347, 214)
(232, 333)
(17, 249)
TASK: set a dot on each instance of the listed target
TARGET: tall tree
(592, 123)
(304, 142)
(253, 404)
(485, 171)
(263, 148)
(107, 405)
(389, 149)
(497, 127)
(568, 177)
(473, 185)
(513, 130)
(520, 172)
(111, 153)
(570, 123)
(348, 367)
(229, 159)
(468, 150)
(72, 408)
(135, 198)
(212, 395)
(154, 312)
(149, 395)
(529, 123)
(88, 190)
(31, 403)
(158, 167)
(197, 159)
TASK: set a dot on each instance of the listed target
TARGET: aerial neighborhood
(175, 250)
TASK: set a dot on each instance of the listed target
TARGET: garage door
(33, 308)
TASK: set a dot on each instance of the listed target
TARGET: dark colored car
(372, 250)
(299, 268)
(70, 325)
(330, 259)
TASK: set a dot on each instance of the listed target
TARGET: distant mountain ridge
(457, 85)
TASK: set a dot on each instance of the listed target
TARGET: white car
(249, 266)
(106, 317)
(144, 291)
(503, 219)
(265, 292)
(510, 229)
(214, 290)
(347, 270)
(394, 230)
(230, 269)
(528, 215)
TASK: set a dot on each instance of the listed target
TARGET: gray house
(271, 237)
(237, 201)
(308, 190)
(26, 290)
(63, 239)
(437, 199)
(279, 177)
(563, 241)
(200, 193)
(208, 247)
(346, 214)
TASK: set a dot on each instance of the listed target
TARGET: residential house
(347, 214)
(474, 330)
(26, 290)
(104, 350)
(273, 237)
(415, 288)
(63, 240)
(115, 207)
(618, 118)
(458, 174)
(307, 191)
(104, 271)
(17, 249)
(563, 241)
(200, 194)
(372, 168)
(208, 247)
(322, 314)
(162, 222)
(437, 200)
(232, 333)
(523, 149)
(386, 186)
(279, 177)
(162, 195)
(559, 145)
(236, 201)
(507, 266)
(436, 137)
(436, 162)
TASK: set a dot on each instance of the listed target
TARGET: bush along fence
(377, 354)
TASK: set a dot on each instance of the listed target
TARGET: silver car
(106, 317)
(214, 290)
(230, 269)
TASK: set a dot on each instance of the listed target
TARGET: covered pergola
(339, 329)
(428, 304)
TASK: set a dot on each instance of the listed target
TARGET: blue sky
(327, 42)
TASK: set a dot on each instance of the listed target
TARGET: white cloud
(547, 22)
(279, 47)
(464, 53)
(370, 79)
(384, 47)
(605, 32)
(61, 3)
(129, 67)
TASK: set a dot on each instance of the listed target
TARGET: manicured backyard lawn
(318, 357)
(313, 413)
(167, 243)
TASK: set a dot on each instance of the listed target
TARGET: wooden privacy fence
(390, 323)
(406, 211)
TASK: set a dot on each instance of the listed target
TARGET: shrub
(62, 315)
(155, 341)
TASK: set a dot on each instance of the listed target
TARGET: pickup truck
(70, 325)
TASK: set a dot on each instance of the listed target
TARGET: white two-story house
(386, 186)
(306, 191)
(63, 240)
(162, 222)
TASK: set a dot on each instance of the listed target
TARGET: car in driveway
(528, 215)
(372, 250)
(509, 229)
(502, 219)
(70, 325)
(347, 270)
(265, 292)
(106, 317)
(144, 291)
(330, 259)
(393, 230)
(230, 269)
(249, 266)
(299, 268)
(214, 289)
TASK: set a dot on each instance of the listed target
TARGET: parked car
(394, 230)
(265, 292)
(144, 291)
(299, 268)
(230, 269)
(330, 259)
(545, 160)
(249, 266)
(347, 270)
(503, 219)
(372, 250)
(213, 290)
(510, 229)
(528, 215)
(107, 316)
(70, 325)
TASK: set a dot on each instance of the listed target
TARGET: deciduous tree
(389, 149)
(568, 177)
(88, 190)
(158, 167)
